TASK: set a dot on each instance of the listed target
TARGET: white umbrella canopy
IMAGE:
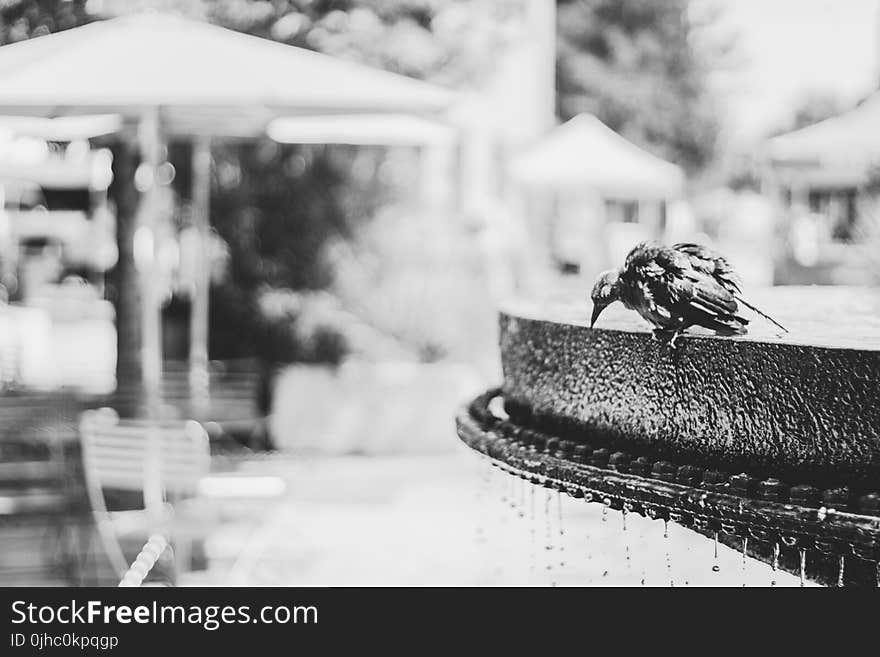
(361, 130)
(63, 128)
(184, 78)
(584, 152)
(208, 79)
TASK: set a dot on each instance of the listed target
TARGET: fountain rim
(695, 504)
(535, 311)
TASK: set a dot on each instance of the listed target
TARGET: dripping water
(775, 564)
(499, 483)
(668, 552)
(548, 534)
(532, 540)
(627, 553)
(803, 570)
(522, 498)
(588, 497)
(745, 553)
(483, 495)
(561, 529)
(840, 570)
(715, 566)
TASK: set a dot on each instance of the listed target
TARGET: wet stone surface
(804, 406)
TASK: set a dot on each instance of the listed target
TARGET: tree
(812, 108)
(635, 65)
(32, 18)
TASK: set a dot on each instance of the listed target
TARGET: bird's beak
(597, 310)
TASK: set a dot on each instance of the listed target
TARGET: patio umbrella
(176, 77)
(361, 130)
(64, 128)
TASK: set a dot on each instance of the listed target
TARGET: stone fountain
(767, 441)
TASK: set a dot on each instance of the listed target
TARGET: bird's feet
(667, 336)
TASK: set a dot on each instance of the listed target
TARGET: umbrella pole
(198, 327)
(150, 133)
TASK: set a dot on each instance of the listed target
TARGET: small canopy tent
(584, 152)
(835, 152)
(171, 77)
(580, 166)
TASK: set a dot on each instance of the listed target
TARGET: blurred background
(304, 255)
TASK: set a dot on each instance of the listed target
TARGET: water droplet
(803, 570)
(561, 529)
(822, 513)
(665, 528)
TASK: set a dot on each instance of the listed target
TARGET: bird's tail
(760, 312)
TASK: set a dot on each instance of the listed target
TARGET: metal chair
(168, 463)
(163, 462)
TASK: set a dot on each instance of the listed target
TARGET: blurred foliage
(416, 277)
(31, 18)
(276, 206)
(635, 64)
(743, 172)
(812, 108)
(446, 41)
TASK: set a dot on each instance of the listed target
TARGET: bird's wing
(711, 263)
(665, 278)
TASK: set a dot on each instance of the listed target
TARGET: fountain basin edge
(798, 408)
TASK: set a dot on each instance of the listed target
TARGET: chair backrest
(169, 457)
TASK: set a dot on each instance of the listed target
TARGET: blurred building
(824, 179)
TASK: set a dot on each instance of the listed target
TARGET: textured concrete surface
(804, 405)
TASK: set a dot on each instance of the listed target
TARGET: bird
(676, 287)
